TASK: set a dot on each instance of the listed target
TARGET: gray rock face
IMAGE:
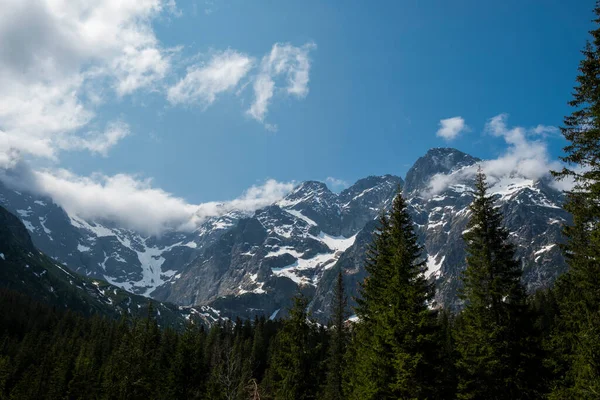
(364, 200)
(247, 264)
(263, 261)
(436, 161)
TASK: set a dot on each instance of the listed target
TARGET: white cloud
(524, 157)
(56, 57)
(97, 142)
(203, 82)
(264, 88)
(546, 131)
(287, 61)
(450, 128)
(262, 195)
(60, 60)
(132, 202)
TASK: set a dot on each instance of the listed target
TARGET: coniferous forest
(504, 343)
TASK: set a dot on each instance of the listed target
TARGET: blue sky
(379, 78)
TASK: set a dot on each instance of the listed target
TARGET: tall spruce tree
(496, 350)
(338, 343)
(294, 365)
(394, 340)
(578, 291)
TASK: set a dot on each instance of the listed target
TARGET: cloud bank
(133, 202)
(526, 156)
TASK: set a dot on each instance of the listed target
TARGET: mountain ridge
(253, 263)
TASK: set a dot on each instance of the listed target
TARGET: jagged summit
(370, 182)
(440, 160)
(308, 191)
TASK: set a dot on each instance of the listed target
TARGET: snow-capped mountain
(246, 264)
(531, 208)
(261, 262)
(135, 262)
(24, 269)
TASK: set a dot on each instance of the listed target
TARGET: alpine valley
(246, 264)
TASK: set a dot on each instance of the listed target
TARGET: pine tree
(292, 374)
(493, 339)
(394, 341)
(259, 351)
(339, 341)
(578, 293)
(445, 371)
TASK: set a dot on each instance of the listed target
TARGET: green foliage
(395, 340)
(576, 343)
(336, 364)
(47, 353)
(497, 351)
(296, 364)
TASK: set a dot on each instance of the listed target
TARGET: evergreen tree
(493, 336)
(293, 373)
(445, 371)
(259, 351)
(577, 339)
(394, 341)
(339, 342)
(186, 375)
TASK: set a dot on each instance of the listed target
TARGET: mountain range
(243, 264)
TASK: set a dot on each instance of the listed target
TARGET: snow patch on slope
(336, 243)
(43, 224)
(309, 271)
(151, 260)
(28, 225)
(301, 216)
(434, 267)
(81, 248)
(97, 229)
(544, 249)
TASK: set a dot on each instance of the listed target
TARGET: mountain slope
(532, 213)
(245, 264)
(259, 264)
(26, 270)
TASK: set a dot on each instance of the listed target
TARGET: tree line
(503, 344)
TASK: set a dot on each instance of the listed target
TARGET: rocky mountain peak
(247, 263)
(307, 191)
(440, 160)
(369, 183)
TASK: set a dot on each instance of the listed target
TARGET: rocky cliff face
(246, 264)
